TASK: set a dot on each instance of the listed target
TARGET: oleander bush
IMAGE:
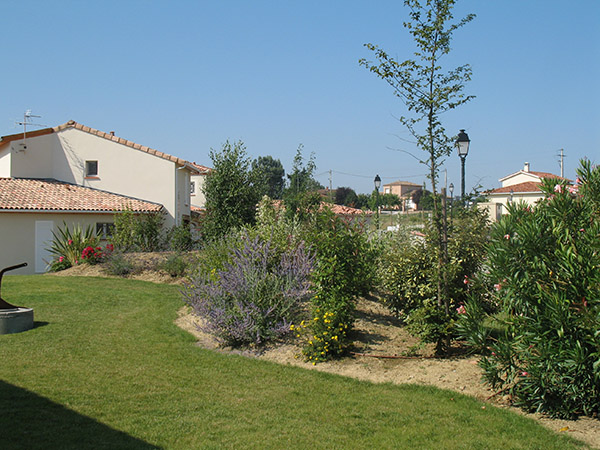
(545, 262)
(253, 297)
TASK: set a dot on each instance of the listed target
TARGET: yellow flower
(291, 326)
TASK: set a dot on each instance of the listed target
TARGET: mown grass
(106, 367)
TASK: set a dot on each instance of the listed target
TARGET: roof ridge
(119, 140)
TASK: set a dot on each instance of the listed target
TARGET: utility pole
(330, 186)
(562, 163)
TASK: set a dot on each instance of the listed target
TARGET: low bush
(175, 265)
(253, 298)
(117, 264)
(181, 238)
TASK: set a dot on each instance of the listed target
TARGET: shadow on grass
(38, 324)
(28, 421)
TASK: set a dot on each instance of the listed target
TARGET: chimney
(112, 133)
(526, 168)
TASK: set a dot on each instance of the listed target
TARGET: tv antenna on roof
(27, 121)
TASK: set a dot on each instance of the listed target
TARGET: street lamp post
(462, 144)
(451, 187)
(377, 182)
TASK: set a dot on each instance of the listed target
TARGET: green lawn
(106, 367)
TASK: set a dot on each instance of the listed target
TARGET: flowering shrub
(343, 270)
(95, 255)
(545, 264)
(253, 297)
(327, 335)
(68, 245)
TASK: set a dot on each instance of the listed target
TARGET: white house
(198, 200)
(521, 186)
(80, 175)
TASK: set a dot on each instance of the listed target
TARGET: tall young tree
(231, 191)
(299, 194)
(428, 90)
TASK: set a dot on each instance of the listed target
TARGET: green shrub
(181, 238)
(117, 264)
(68, 245)
(175, 265)
(138, 232)
(545, 262)
(409, 280)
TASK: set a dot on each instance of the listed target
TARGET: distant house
(77, 174)
(404, 190)
(521, 186)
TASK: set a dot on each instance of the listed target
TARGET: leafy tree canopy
(345, 196)
(270, 176)
(231, 190)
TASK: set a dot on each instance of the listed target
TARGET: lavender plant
(255, 296)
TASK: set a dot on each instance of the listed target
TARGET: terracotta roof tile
(200, 168)
(527, 186)
(27, 194)
(403, 183)
(336, 209)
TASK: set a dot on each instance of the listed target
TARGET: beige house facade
(404, 190)
(83, 177)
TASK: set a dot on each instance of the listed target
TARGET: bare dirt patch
(146, 268)
(377, 333)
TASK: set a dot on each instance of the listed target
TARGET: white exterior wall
(197, 197)
(17, 234)
(121, 169)
(520, 178)
(182, 177)
(495, 211)
(5, 160)
(36, 160)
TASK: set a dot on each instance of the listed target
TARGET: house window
(91, 168)
(192, 187)
(104, 230)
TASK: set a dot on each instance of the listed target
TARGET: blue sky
(185, 76)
